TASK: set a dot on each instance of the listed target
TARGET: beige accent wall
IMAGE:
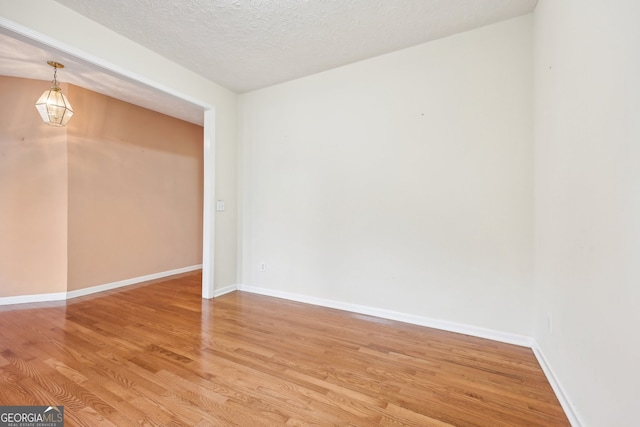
(117, 53)
(33, 194)
(135, 191)
(115, 195)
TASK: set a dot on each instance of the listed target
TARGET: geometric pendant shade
(53, 105)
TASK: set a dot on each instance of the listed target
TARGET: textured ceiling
(250, 44)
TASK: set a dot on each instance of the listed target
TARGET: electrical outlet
(550, 323)
(263, 266)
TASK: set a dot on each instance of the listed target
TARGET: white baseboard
(475, 331)
(555, 385)
(225, 290)
(132, 281)
(59, 296)
(23, 299)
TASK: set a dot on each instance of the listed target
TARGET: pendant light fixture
(53, 106)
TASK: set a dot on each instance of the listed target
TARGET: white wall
(72, 30)
(587, 198)
(403, 182)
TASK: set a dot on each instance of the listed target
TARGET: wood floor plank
(157, 354)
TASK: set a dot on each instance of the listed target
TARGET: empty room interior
(421, 212)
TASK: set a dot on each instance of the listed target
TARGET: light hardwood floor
(157, 354)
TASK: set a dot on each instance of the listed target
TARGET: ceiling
(245, 45)
(22, 57)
